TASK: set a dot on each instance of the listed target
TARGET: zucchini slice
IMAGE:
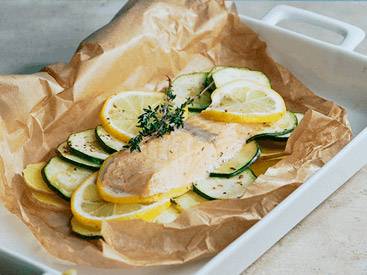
(229, 74)
(86, 145)
(64, 177)
(284, 137)
(83, 231)
(249, 153)
(108, 142)
(167, 216)
(220, 188)
(283, 126)
(64, 151)
(190, 85)
(187, 201)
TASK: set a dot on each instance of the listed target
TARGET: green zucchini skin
(103, 145)
(83, 236)
(57, 192)
(299, 117)
(109, 143)
(240, 170)
(189, 85)
(93, 166)
(270, 135)
(279, 136)
(224, 188)
(79, 152)
(80, 164)
(205, 196)
(54, 183)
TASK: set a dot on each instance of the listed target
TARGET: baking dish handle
(353, 35)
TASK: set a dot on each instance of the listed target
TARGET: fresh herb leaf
(161, 120)
(134, 143)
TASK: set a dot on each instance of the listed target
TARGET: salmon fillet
(177, 159)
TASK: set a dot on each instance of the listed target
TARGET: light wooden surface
(332, 240)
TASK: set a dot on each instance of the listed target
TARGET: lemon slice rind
(122, 197)
(134, 101)
(236, 111)
(145, 212)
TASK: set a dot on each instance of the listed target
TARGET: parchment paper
(146, 41)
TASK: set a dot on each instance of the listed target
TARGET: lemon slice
(111, 195)
(245, 102)
(89, 209)
(33, 178)
(120, 112)
(224, 75)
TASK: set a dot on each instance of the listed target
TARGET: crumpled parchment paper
(146, 41)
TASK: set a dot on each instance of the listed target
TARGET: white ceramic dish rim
(283, 218)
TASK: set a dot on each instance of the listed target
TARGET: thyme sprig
(162, 119)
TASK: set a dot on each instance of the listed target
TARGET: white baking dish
(332, 71)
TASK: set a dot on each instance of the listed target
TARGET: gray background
(34, 33)
(332, 240)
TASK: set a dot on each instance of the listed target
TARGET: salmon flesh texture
(177, 159)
